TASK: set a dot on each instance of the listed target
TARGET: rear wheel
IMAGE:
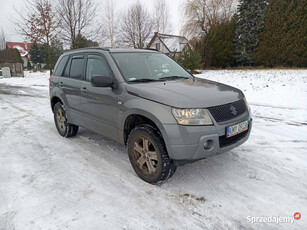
(64, 128)
(148, 155)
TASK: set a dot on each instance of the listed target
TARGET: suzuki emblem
(233, 110)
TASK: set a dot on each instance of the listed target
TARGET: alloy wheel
(61, 120)
(145, 155)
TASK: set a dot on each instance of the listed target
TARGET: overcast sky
(7, 13)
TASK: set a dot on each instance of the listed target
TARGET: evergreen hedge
(10, 56)
(218, 46)
(284, 39)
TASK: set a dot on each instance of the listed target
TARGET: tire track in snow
(48, 163)
(276, 107)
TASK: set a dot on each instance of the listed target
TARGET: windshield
(148, 67)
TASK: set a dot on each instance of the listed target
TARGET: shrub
(10, 56)
(29, 66)
(190, 59)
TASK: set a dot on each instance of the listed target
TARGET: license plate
(236, 129)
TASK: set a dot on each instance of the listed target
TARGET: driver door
(99, 104)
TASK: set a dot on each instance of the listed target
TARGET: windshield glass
(148, 67)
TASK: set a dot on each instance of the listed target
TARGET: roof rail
(85, 48)
(152, 49)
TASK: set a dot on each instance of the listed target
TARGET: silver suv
(145, 100)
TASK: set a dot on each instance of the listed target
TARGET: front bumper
(191, 143)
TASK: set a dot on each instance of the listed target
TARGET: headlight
(246, 103)
(192, 116)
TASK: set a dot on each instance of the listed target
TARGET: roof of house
(21, 46)
(173, 43)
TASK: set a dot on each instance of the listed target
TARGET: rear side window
(60, 67)
(67, 69)
(76, 67)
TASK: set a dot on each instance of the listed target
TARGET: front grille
(224, 141)
(228, 111)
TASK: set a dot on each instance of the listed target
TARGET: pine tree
(35, 54)
(29, 66)
(249, 24)
(284, 38)
(43, 50)
(218, 47)
(82, 42)
(56, 49)
(296, 38)
(190, 59)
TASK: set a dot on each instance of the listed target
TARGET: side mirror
(101, 81)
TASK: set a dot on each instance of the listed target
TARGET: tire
(152, 163)
(64, 128)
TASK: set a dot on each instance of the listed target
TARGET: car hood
(187, 93)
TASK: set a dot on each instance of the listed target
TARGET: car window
(67, 69)
(96, 65)
(153, 66)
(76, 67)
(60, 67)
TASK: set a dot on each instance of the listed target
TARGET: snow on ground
(282, 90)
(86, 182)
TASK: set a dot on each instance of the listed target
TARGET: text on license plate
(236, 129)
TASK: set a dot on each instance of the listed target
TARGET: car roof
(117, 50)
(112, 50)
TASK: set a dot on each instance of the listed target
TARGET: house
(23, 48)
(168, 44)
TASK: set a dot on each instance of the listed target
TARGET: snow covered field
(86, 182)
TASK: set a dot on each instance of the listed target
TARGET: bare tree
(137, 25)
(37, 22)
(110, 23)
(201, 15)
(162, 17)
(78, 18)
(2, 40)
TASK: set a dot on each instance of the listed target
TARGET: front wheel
(64, 128)
(148, 155)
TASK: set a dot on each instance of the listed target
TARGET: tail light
(50, 79)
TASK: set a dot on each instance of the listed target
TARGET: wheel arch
(139, 117)
(54, 100)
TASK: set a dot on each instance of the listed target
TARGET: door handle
(61, 84)
(84, 90)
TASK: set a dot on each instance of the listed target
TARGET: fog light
(208, 144)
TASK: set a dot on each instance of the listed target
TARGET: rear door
(70, 83)
(99, 105)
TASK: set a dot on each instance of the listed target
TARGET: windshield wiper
(173, 78)
(145, 80)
